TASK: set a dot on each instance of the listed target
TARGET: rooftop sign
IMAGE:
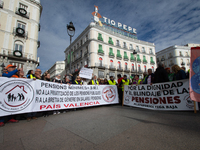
(114, 26)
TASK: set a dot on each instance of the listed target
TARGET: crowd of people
(160, 75)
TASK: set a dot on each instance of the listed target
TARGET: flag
(195, 74)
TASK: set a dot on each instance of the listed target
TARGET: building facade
(19, 28)
(56, 69)
(109, 53)
(179, 55)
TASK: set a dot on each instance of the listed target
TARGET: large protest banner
(26, 95)
(195, 74)
(163, 96)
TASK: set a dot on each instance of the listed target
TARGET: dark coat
(160, 75)
(180, 75)
(152, 79)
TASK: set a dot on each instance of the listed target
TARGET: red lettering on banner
(146, 99)
(82, 104)
(155, 101)
(177, 100)
(169, 100)
(49, 106)
(141, 99)
(42, 106)
(162, 100)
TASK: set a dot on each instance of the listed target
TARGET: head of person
(58, 76)
(119, 76)
(160, 64)
(98, 79)
(183, 68)
(47, 76)
(30, 72)
(105, 80)
(38, 73)
(21, 74)
(94, 77)
(136, 77)
(168, 70)
(67, 79)
(176, 68)
(145, 74)
(125, 77)
(149, 71)
(111, 78)
(78, 78)
(101, 81)
(10, 68)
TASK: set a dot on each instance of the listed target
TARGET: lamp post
(135, 53)
(71, 32)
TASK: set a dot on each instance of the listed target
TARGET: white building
(19, 28)
(56, 69)
(179, 55)
(108, 50)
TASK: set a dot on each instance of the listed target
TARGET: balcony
(140, 71)
(100, 52)
(126, 70)
(16, 54)
(100, 38)
(144, 52)
(119, 56)
(152, 62)
(118, 45)
(125, 47)
(100, 65)
(137, 50)
(20, 32)
(111, 55)
(133, 70)
(181, 54)
(111, 67)
(119, 68)
(183, 64)
(132, 59)
(1, 4)
(126, 58)
(22, 12)
(110, 42)
(138, 60)
(151, 53)
(144, 61)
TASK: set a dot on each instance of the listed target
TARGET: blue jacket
(10, 74)
(180, 75)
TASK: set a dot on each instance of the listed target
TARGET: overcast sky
(163, 22)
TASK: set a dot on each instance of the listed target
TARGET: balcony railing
(126, 58)
(170, 57)
(118, 45)
(144, 61)
(133, 70)
(1, 4)
(119, 56)
(22, 12)
(132, 59)
(152, 62)
(16, 54)
(100, 65)
(138, 60)
(111, 55)
(125, 46)
(100, 52)
(119, 68)
(85, 53)
(151, 53)
(112, 67)
(126, 70)
(181, 55)
(20, 32)
(137, 50)
(143, 51)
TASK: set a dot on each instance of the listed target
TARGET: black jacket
(160, 75)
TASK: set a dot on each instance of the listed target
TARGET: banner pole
(123, 97)
(195, 110)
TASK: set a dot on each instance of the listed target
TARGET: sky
(162, 22)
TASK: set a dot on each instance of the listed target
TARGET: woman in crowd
(106, 82)
(136, 80)
(179, 74)
(30, 72)
(77, 81)
(101, 82)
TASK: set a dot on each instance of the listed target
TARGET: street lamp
(71, 32)
(135, 53)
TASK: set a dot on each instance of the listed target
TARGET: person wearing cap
(11, 71)
(112, 81)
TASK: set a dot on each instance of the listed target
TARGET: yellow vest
(93, 82)
(112, 83)
(31, 76)
(125, 83)
(77, 82)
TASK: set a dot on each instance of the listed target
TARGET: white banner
(163, 96)
(26, 95)
(86, 73)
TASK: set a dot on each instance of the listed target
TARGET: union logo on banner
(195, 74)
(16, 95)
(109, 94)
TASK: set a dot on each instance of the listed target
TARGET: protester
(98, 79)
(106, 82)
(46, 72)
(112, 81)
(183, 68)
(160, 74)
(57, 79)
(149, 78)
(84, 81)
(136, 80)
(67, 80)
(120, 84)
(37, 76)
(47, 77)
(179, 73)
(94, 80)
(101, 82)
(170, 75)
(77, 81)
(144, 77)
(125, 81)
(11, 71)
(30, 73)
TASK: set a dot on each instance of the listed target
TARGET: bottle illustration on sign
(97, 15)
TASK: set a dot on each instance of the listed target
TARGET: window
(21, 25)
(111, 52)
(137, 48)
(126, 66)
(19, 47)
(100, 50)
(186, 54)
(124, 44)
(112, 74)
(144, 59)
(152, 69)
(101, 74)
(143, 49)
(180, 53)
(23, 6)
(119, 64)
(150, 51)
(77, 66)
(132, 67)
(118, 54)
(117, 43)
(81, 65)
(139, 68)
(125, 55)
(74, 47)
(111, 63)
(100, 37)
(110, 41)
(100, 61)
(131, 47)
(86, 37)
(77, 55)
(145, 68)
